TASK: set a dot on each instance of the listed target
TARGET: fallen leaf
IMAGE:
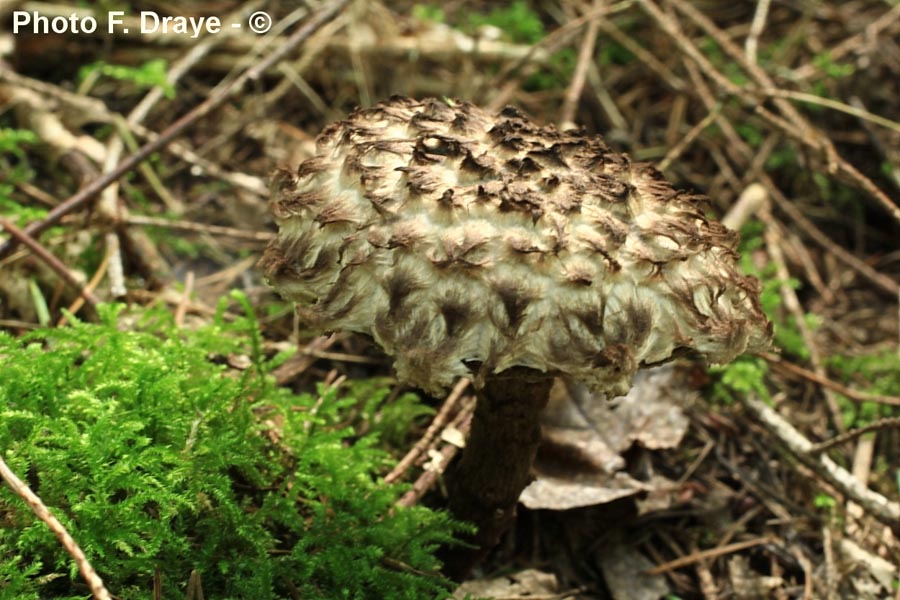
(580, 461)
(523, 584)
(625, 572)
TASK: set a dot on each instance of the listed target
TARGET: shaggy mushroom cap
(455, 236)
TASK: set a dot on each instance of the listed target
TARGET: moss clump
(161, 462)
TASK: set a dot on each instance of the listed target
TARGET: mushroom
(472, 244)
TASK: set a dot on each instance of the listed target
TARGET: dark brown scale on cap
(549, 157)
(399, 286)
(591, 318)
(456, 312)
(515, 299)
(439, 145)
(446, 199)
(525, 166)
(336, 212)
(480, 166)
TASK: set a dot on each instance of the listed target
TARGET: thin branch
(774, 238)
(670, 26)
(507, 79)
(97, 111)
(181, 309)
(758, 74)
(51, 261)
(43, 513)
(837, 105)
(875, 504)
(576, 86)
(885, 423)
(676, 151)
(440, 419)
(839, 51)
(740, 151)
(694, 557)
(860, 266)
(756, 29)
(462, 422)
(749, 203)
(643, 55)
(91, 286)
(858, 396)
(243, 234)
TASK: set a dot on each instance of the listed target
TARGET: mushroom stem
(485, 483)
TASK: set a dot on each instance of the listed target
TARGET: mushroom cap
(453, 236)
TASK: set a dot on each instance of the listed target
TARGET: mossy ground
(162, 461)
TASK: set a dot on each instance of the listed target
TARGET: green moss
(16, 169)
(744, 375)
(875, 373)
(12, 141)
(832, 69)
(159, 459)
(428, 12)
(152, 73)
(517, 20)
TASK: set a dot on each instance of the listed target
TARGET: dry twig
(576, 86)
(875, 504)
(884, 423)
(440, 419)
(789, 367)
(43, 513)
(694, 557)
(241, 234)
(756, 29)
(54, 263)
(462, 422)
